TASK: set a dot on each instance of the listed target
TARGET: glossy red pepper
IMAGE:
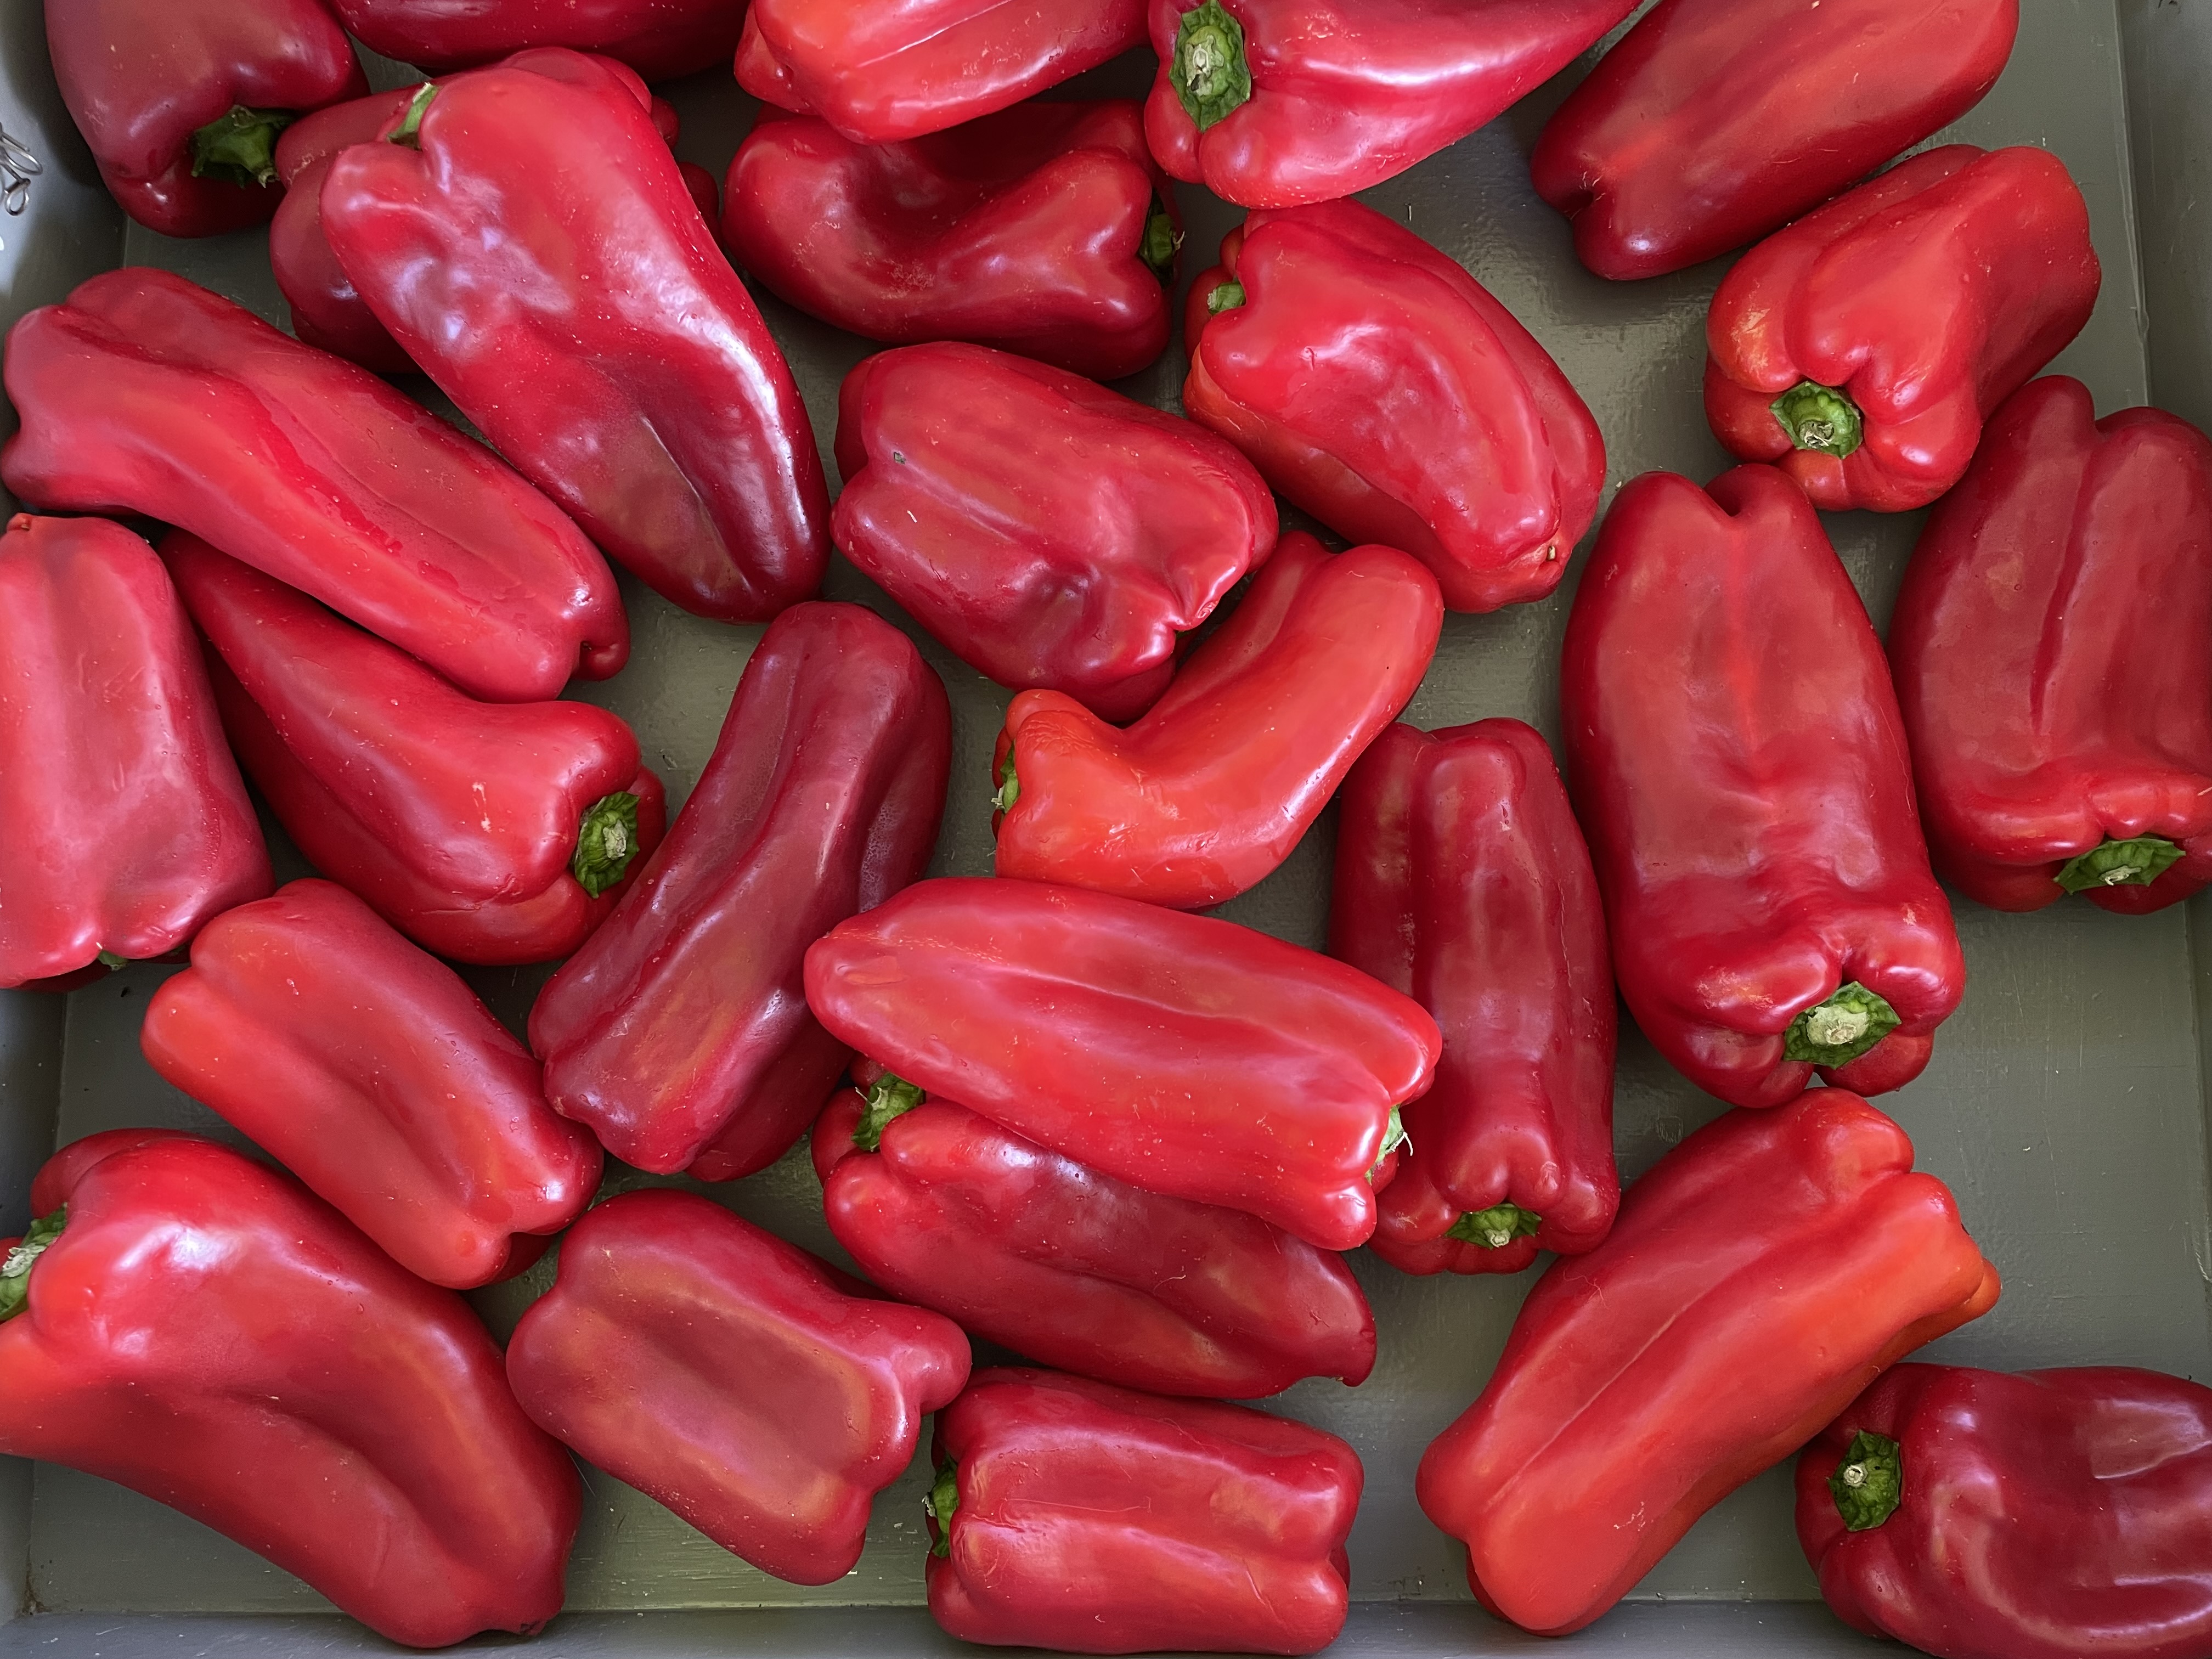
(1275, 103)
(1045, 230)
(1714, 122)
(682, 1029)
(661, 40)
(1862, 348)
(370, 1072)
(200, 1328)
(526, 237)
(1461, 879)
(1032, 1250)
(1076, 1515)
(132, 822)
(145, 394)
(1740, 766)
(2050, 649)
(1441, 426)
(181, 101)
(1762, 1274)
(961, 504)
(2047, 1515)
(1184, 1054)
(1210, 791)
(756, 1391)
(879, 71)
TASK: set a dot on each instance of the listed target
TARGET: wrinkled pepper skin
(1077, 1516)
(1462, 880)
(582, 313)
(961, 502)
(661, 40)
(180, 100)
(1760, 1276)
(2045, 1514)
(145, 394)
(1183, 1054)
(683, 1028)
(130, 823)
(1278, 103)
(752, 1387)
(1208, 793)
(1440, 425)
(1738, 765)
(1045, 230)
(327, 310)
(1032, 1250)
(880, 72)
(370, 1072)
(1714, 122)
(205, 1331)
(2049, 644)
(1861, 349)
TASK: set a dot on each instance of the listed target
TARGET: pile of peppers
(1058, 1108)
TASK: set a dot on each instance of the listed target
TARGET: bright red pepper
(961, 503)
(1740, 766)
(2049, 648)
(1440, 426)
(759, 1393)
(2050, 1515)
(1184, 1054)
(130, 823)
(1275, 103)
(1461, 879)
(526, 237)
(884, 70)
(1862, 348)
(1761, 1275)
(1210, 791)
(682, 1029)
(200, 1328)
(1032, 1250)
(661, 40)
(370, 1071)
(1077, 1516)
(1714, 122)
(181, 101)
(145, 394)
(1046, 229)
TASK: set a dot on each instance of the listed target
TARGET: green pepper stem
(1010, 785)
(1225, 296)
(1840, 1030)
(1393, 1137)
(888, 1097)
(15, 1268)
(1869, 1483)
(108, 959)
(1496, 1227)
(2136, 863)
(408, 132)
(943, 1503)
(1821, 418)
(239, 146)
(1161, 242)
(605, 842)
(1209, 71)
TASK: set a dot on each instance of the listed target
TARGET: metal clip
(18, 167)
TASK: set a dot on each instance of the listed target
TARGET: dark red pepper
(1462, 880)
(327, 311)
(661, 40)
(682, 1029)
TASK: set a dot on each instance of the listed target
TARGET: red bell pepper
(1186, 1055)
(1461, 879)
(1046, 229)
(682, 1028)
(200, 1328)
(181, 101)
(1211, 790)
(1275, 103)
(1740, 766)
(754, 1390)
(1761, 1275)
(1030, 1250)
(1714, 122)
(2049, 1515)
(2048, 644)
(145, 394)
(961, 503)
(1862, 348)
(370, 1071)
(879, 70)
(129, 823)
(526, 237)
(1440, 426)
(661, 40)
(327, 311)
(1073, 1514)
